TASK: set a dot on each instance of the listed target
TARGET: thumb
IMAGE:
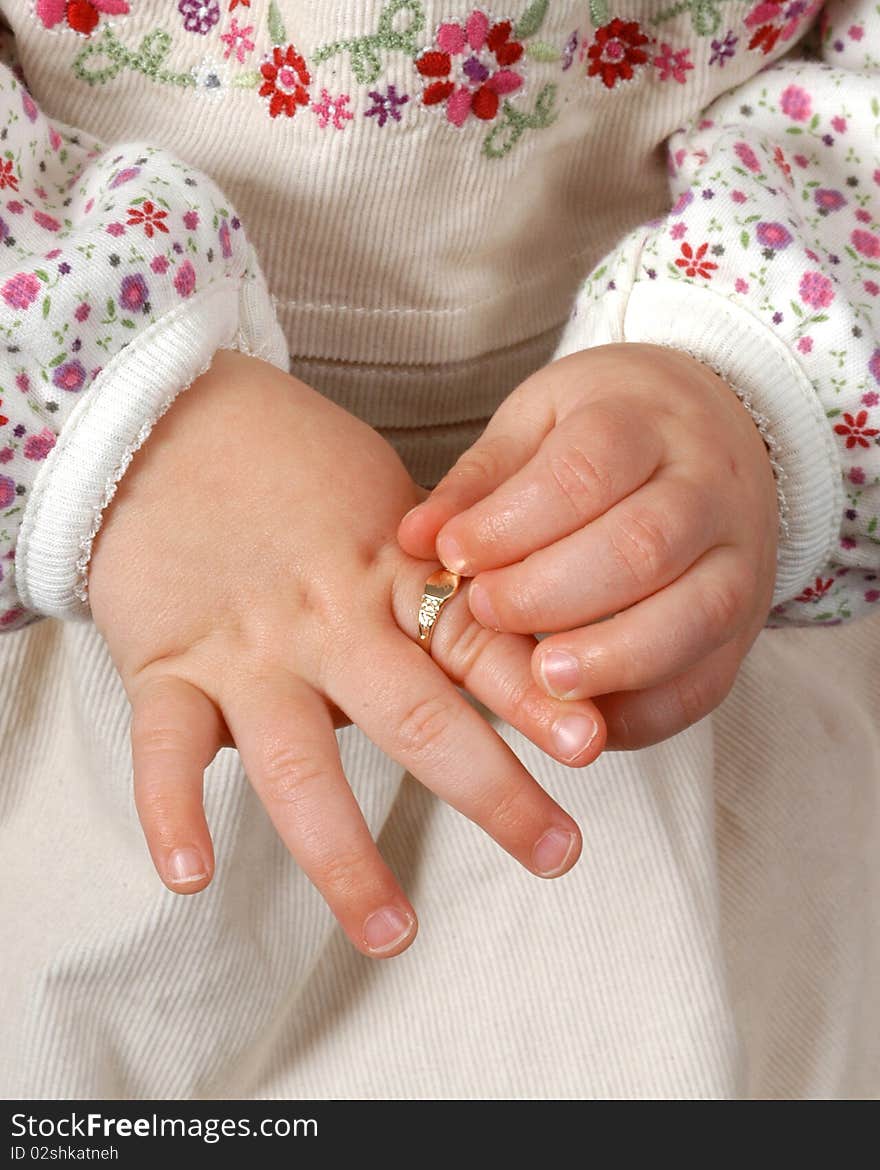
(510, 440)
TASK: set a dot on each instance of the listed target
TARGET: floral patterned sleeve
(122, 272)
(767, 268)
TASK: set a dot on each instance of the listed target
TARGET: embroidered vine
(147, 59)
(504, 137)
(366, 51)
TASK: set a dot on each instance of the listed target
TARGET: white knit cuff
(762, 371)
(135, 388)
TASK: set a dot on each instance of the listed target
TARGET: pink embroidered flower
(82, 311)
(191, 220)
(285, 81)
(185, 279)
(857, 434)
(70, 376)
(693, 262)
(773, 235)
(616, 49)
(796, 103)
(46, 221)
(816, 290)
(866, 243)
(238, 41)
(747, 157)
(469, 69)
(133, 293)
(672, 63)
(21, 290)
(331, 110)
(81, 15)
(8, 177)
(159, 265)
(38, 446)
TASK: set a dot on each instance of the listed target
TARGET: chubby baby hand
(621, 500)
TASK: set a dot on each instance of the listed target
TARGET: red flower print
(816, 591)
(286, 81)
(8, 177)
(693, 262)
(855, 430)
(80, 15)
(616, 49)
(779, 159)
(150, 216)
(469, 68)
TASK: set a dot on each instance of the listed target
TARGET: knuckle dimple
(287, 771)
(425, 726)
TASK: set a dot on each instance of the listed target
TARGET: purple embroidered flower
(133, 292)
(569, 51)
(185, 279)
(38, 446)
(21, 290)
(773, 235)
(796, 103)
(225, 241)
(199, 16)
(235, 222)
(723, 50)
(70, 375)
(386, 105)
(7, 491)
(125, 176)
(828, 200)
(816, 290)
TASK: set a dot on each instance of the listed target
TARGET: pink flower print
(225, 240)
(70, 376)
(7, 491)
(855, 32)
(469, 69)
(828, 199)
(801, 160)
(47, 221)
(871, 287)
(673, 63)
(55, 139)
(872, 398)
(125, 176)
(159, 265)
(863, 216)
(6, 454)
(773, 235)
(185, 279)
(238, 41)
(839, 124)
(82, 311)
(684, 201)
(15, 207)
(191, 220)
(133, 293)
(872, 595)
(796, 103)
(738, 196)
(816, 290)
(857, 434)
(874, 365)
(332, 110)
(678, 230)
(747, 157)
(866, 243)
(21, 290)
(38, 446)
(115, 229)
(29, 105)
(741, 286)
(857, 475)
(23, 382)
(805, 345)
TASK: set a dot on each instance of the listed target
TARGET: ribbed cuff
(761, 370)
(135, 388)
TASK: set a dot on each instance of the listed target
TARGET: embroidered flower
(857, 434)
(199, 16)
(773, 235)
(672, 63)
(693, 262)
(70, 376)
(185, 279)
(21, 290)
(616, 48)
(469, 68)
(211, 78)
(795, 101)
(723, 50)
(816, 290)
(816, 591)
(286, 79)
(331, 110)
(794, 15)
(133, 293)
(386, 105)
(148, 215)
(8, 177)
(38, 446)
(866, 243)
(81, 15)
(238, 41)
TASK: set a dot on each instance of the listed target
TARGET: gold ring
(439, 587)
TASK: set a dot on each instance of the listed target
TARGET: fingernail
(572, 734)
(560, 672)
(386, 929)
(550, 855)
(449, 552)
(186, 865)
(482, 608)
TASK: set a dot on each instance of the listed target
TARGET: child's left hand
(624, 482)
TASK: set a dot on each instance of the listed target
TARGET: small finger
(655, 640)
(176, 731)
(285, 736)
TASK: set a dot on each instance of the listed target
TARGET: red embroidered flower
(286, 81)
(150, 216)
(616, 49)
(468, 69)
(8, 178)
(81, 15)
(693, 262)
(762, 18)
(816, 591)
(855, 430)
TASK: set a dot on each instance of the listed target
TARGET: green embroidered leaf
(793, 130)
(44, 276)
(541, 51)
(57, 360)
(705, 16)
(276, 25)
(744, 239)
(247, 80)
(796, 309)
(531, 20)
(599, 12)
(47, 304)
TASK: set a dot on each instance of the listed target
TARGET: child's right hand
(249, 586)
